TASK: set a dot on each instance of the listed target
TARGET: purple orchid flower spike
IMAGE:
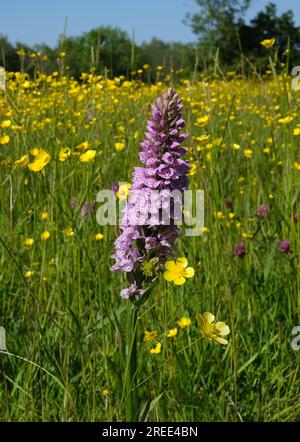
(164, 171)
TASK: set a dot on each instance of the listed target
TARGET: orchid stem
(131, 368)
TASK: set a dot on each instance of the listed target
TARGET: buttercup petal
(183, 261)
(208, 317)
(222, 328)
(179, 280)
(170, 265)
(169, 276)
(221, 341)
(189, 272)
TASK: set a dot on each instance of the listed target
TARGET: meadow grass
(59, 303)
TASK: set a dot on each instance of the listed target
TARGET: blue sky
(37, 21)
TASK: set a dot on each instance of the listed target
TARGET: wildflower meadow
(126, 322)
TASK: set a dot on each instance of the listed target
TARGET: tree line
(224, 41)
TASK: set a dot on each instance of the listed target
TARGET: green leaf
(153, 403)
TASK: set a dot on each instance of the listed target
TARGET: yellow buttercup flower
(28, 242)
(23, 161)
(64, 153)
(268, 42)
(248, 153)
(21, 52)
(202, 121)
(88, 156)
(40, 161)
(119, 146)
(178, 271)
(172, 333)
(183, 322)
(296, 131)
(220, 215)
(123, 191)
(149, 335)
(213, 331)
(156, 349)
(28, 274)
(286, 120)
(203, 139)
(83, 146)
(44, 216)
(193, 168)
(105, 392)
(297, 166)
(99, 236)
(69, 231)
(35, 151)
(4, 139)
(45, 235)
(5, 123)
(6, 161)
(247, 235)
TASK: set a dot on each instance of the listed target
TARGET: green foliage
(220, 27)
(208, 24)
(110, 51)
(170, 55)
(8, 56)
(102, 48)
